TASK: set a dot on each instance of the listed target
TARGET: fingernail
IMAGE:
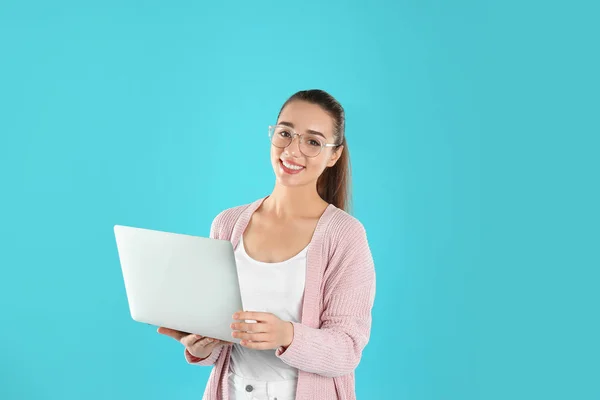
(236, 315)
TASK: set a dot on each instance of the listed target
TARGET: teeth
(290, 166)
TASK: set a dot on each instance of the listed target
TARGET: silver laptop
(182, 282)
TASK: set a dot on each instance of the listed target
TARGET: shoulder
(346, 240)
(223, 223)
(344, 229)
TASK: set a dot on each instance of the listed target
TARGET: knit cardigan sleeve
(335, 348)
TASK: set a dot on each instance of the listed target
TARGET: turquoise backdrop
(473, 131)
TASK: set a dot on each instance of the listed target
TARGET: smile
(290, 168)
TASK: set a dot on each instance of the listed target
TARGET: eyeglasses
(311, 144)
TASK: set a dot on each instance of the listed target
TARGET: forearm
(334, 349)
(327, 352)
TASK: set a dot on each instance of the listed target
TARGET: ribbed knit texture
(336, 310)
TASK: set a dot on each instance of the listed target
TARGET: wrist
(289, 334)
(194, 358)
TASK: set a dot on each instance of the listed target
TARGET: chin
(290, 183)
(290, 178)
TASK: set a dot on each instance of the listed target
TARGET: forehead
(306, 116)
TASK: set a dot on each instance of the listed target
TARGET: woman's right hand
(197, 345)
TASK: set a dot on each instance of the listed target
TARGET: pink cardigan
(336, 310)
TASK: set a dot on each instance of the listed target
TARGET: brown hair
(334, 183)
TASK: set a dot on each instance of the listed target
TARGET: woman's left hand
(269, 332)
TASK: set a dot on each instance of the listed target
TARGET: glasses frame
(300, 138)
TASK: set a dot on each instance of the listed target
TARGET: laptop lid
(178, 281)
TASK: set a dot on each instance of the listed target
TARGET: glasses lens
(311, 145)
(280, 136)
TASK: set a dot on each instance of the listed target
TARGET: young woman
(305, 269)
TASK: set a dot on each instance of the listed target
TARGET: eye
(285, 134)
(313, 140)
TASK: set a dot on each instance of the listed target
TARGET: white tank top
(277, 288)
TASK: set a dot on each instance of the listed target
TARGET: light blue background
(473, 130)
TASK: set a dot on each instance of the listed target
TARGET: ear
(335, 156)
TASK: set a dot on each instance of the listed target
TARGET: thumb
(177, 335)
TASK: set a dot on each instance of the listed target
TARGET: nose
(294, 149)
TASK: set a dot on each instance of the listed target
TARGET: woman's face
(291, 166)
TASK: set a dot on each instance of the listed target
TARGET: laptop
(178, 281)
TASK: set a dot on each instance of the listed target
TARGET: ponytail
(334, 183)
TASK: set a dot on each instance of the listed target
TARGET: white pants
(248, 389)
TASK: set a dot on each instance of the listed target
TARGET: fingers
(206, 342)
(255, 337)
(190, 340)
(257, 345)
(198, 341)
(177, 335)
(246, 327)
(253, 315)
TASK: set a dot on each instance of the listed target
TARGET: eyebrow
(308, 130)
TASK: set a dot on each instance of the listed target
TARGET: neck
(302, 201)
